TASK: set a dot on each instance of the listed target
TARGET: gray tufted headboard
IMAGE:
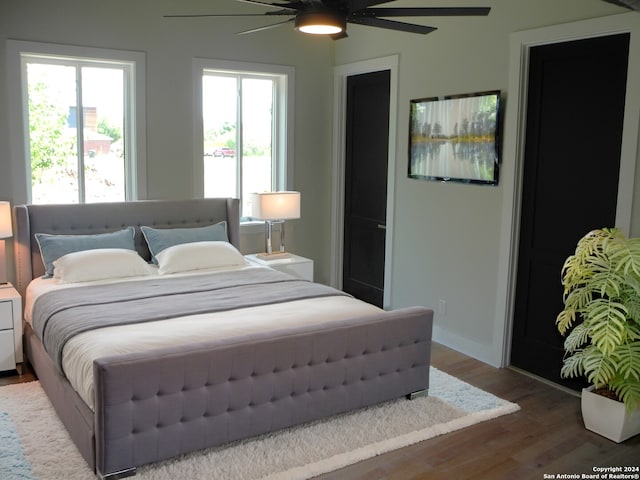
(90, 218)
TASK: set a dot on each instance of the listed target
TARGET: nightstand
(10, 328)
(295, 265)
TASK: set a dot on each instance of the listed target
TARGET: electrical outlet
(442, 307)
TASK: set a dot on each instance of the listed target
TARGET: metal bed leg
(129, 472)
(418, 394)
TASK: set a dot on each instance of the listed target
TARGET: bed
(153, 403)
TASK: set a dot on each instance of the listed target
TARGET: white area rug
(35, 445)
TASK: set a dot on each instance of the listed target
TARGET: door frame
(515, 127)
(341, 73)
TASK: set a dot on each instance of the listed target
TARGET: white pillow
(100, 264)
(197, 256)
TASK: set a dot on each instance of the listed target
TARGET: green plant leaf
(627, 359)
(625, 255)
(633, 332)
(565, 319)
(628, 391)
(606, 322)
(598, 368)
(577, 338)
(632, 296)
(572, 366)
(578, 298)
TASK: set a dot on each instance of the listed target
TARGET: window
(80, 123)
(244, 129)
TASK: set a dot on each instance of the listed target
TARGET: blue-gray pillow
(159, 239)
(53, 247)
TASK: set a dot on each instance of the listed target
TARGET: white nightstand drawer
(10, 328)
(7, 352)
(295, 265)
(301, 270)
(6, 315)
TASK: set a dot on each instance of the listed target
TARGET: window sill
(251, 227)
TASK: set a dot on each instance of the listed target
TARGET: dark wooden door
(366, 159)
(573, 141)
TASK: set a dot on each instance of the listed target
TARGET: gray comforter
(59, 315)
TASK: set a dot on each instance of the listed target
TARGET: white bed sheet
(80, 352)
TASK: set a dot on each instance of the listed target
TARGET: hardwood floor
(546, 436)
(9, 378)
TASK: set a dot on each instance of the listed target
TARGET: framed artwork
(455, 138)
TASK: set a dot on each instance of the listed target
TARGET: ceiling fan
(630, 4)
(330, 17)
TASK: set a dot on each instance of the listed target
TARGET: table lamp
(5, 232)
(275, 208)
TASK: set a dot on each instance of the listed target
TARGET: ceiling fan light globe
(320, 29)
(320, 23)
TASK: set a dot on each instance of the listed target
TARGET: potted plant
(601, 321)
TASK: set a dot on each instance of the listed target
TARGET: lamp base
(273, 256)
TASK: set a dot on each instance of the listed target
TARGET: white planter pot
(608, 417)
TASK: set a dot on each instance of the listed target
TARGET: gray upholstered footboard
(151, 407)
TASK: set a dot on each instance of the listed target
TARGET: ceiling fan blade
(266, 27)
(280, 12)
(391, 24)
(196, 15)
(630, 4)
(425, 12)
(267, 4)
(360, 4)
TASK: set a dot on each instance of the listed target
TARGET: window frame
(22, 52)
(283, 132)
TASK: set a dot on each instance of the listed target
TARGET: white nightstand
(10, 328)
(294, 265)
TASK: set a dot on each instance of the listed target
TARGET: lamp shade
(275, 205)
(5, 220)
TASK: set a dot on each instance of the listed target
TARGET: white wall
(447, 236)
